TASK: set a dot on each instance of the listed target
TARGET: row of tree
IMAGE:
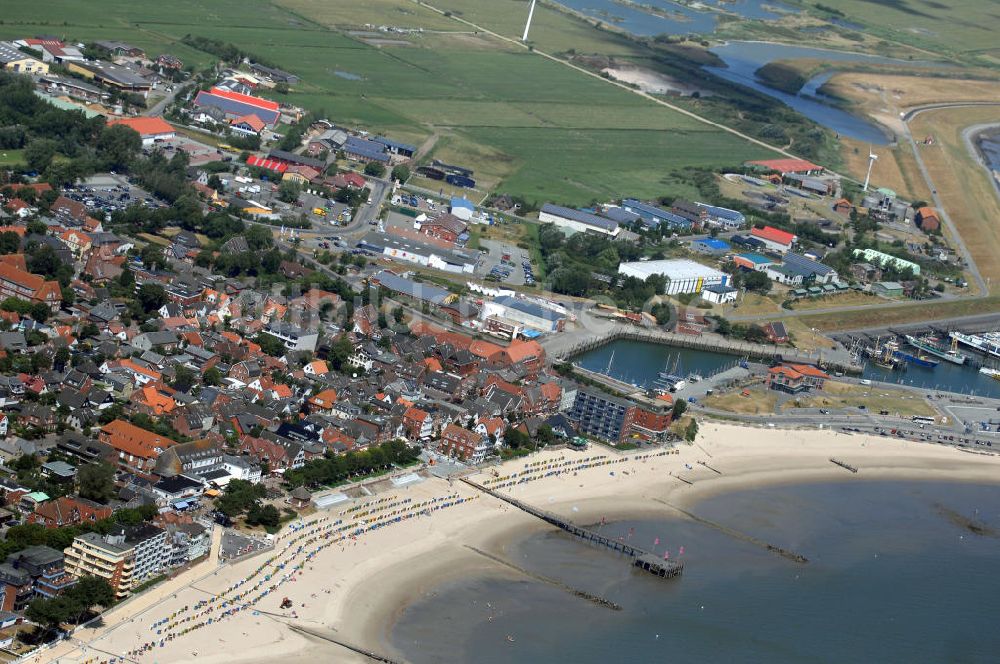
(334, 468)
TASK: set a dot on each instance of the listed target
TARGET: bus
(923, 419)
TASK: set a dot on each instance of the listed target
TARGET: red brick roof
(787, 165)
(774, 235)
(130, 439)
(145, 126)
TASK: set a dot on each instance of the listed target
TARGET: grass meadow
(527, 125)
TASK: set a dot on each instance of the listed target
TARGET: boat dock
(643, 559)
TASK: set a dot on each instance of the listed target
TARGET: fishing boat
(932, 346)
(992, 373)
(988, 342)
(883, 354)
(918, 359)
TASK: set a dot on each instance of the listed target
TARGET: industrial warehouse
(683, 275)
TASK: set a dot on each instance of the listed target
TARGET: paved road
(945, 217)
(160, 106)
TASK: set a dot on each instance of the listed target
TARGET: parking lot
(109, 193)
(505, 264)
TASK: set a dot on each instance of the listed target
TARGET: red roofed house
(445, 227)
(464, 444)
(927, 219)
(324, 400)
(248, 125)
(774, 239)
(419, 424)
(795, 378)
(529, 353)
(68, 511)
(29, 287)
(152, 130)
(137, 448)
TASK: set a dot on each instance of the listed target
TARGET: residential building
(29, 287)
(45, 567)
(796, 378)
(467, 445)
(137, 448)
(124, 558)
(888, 289)
(292, 336)
(927, 219)
(613, 419)
(683, 276)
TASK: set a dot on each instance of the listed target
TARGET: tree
(184, 378)
(212, 376)
(215, 182)
(281, 87)
(340, 350)
(680, 406)
(97, 481)
(151, 297)
(401, 173)
(374, 169)
(691, 432)
(288, 191)
(270, 344)
(117, 146)
(758, 282)
(263, 515)
(39, 153)
(10, 242)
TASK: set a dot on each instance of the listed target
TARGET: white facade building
(683, 275)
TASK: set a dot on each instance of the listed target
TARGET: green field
(11, 157)
(527, 125)
(957, 27)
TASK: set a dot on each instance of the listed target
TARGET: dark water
(989, 145)
(892, 577)
(639, 363)
(684, 19)
(743, 59)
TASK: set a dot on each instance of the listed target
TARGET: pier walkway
(643, 559)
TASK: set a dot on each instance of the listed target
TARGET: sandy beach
(350, 570)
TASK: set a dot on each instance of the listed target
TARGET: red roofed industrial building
(235, 105)
(150, 129)
(786, 166)
(774, 239)
(276, 165)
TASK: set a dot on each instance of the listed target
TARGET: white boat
(992, 373)
(988, 342)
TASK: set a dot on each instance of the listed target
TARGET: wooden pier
(644, 560)
(844, 465)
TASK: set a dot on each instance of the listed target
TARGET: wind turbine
(872, 158)
(527, 26)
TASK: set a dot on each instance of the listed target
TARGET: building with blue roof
(233, 108)
(811, 271)
(524, 312)
(653, 216)
(720, 216)
(753, 262)
(362, 149)
(710, 245)
(577, 221)
(462, 207)
(395, 147)
(621, 215)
